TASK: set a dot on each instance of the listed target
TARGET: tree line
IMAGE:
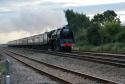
(103, 28)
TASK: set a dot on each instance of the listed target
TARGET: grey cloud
(34, 20)
(99, 8)
(40, 19)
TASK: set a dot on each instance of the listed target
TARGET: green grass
(2, 68)
(110, 47)
(2, 65)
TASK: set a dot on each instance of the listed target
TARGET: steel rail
(118, 55)
(114, 60)
(104, 58)
(37, 69)
(106, 81)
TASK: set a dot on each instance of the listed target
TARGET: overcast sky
(22, 18)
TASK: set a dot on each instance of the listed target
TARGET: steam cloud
(32, 20)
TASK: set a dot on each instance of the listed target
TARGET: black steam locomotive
(59, 40)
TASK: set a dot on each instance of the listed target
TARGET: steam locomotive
(58, 40)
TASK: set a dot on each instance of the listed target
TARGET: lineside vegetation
(2, 65)
(103, 33)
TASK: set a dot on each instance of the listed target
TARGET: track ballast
(78, 76)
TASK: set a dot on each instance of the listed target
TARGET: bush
(110, 47)
(93, 34)
(86, 48)
(105, 37)
(121, 37)
(80, 37)
(112, 28)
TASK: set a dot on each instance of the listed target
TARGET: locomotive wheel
(57, 48)
(67, 49)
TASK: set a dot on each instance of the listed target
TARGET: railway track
(117, 55)
(108, 58)
(62, 74)
(105, 58)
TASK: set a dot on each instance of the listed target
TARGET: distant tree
(98, 18)
(107, 16)
(103, 28)
(112, 28)
(109, 31)
(76, 20)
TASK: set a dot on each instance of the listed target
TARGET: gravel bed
(21, 74)
(75, 79)
(91, 68)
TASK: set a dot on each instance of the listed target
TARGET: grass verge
(2, 68)
(109, 48)
(2, 65)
